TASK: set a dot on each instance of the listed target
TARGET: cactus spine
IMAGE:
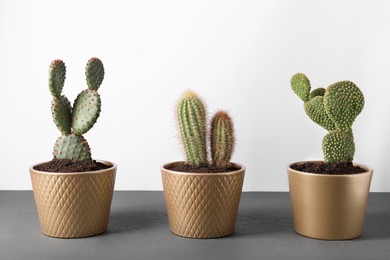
(191, 114)
(75, 121)
(335, 109)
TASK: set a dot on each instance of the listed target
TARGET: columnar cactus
(191, 114)
(335, 109)
(192, 121)
(221, 139)
(75, 121)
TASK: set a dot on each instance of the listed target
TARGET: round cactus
(192, 123)
(222, 139)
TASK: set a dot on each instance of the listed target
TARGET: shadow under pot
(329, 206)
(202, 205)
(73, 205)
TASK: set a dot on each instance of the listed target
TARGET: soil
(203, 169)
(328, 168)
(65, 166)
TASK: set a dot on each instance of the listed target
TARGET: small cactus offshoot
(191, 114)
(75, 121)
(335, 109)
(221, 139)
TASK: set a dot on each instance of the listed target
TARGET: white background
(237, 55)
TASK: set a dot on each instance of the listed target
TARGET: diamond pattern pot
(202, 205)
(72, 205)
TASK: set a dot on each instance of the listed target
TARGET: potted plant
(202, 197)
(329, 197)
(73, 192)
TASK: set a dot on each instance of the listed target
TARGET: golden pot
(330, 207)
(72, 205)
(202, 205)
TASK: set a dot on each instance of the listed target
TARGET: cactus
(76, 121)
(191, 114)
(221, 139)
(335, 109)
(192, 122)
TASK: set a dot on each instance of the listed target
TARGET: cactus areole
(335, 109)
(193, 128)
(74, 121)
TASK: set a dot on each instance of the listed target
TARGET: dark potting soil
(328, 168)
(65, 165)
(202, 169)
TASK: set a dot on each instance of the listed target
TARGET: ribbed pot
(202, 205)
(72, 205)
(329, 207)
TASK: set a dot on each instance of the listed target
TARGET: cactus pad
(317, 92)
(338, 146)
(192, 122)
(301, 86)
(72, 147)
(343, 103)
(222, 139)
(61, 111)
(94, 72)
(57, 73)
(315, 109)
(86, 111)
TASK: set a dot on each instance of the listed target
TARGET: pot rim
(368, 169)
(163, 168)
(113, 167)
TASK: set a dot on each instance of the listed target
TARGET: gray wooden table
(138, 229)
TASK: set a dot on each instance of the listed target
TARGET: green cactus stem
(222, 139)
(86, 110)
(94, 72)
(62, 114)
(72, 147)
(317, 92)
(192, 123)
(315, 109)
(343, 102)
(301, 86)
(57, 71)
(338, 146)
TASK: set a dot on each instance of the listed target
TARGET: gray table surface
(138, 229)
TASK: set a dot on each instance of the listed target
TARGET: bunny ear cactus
(76, 121)
(335, 109)
(191, 114)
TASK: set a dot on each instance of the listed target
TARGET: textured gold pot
(330, 207)
(202, 205)
(72, 205)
